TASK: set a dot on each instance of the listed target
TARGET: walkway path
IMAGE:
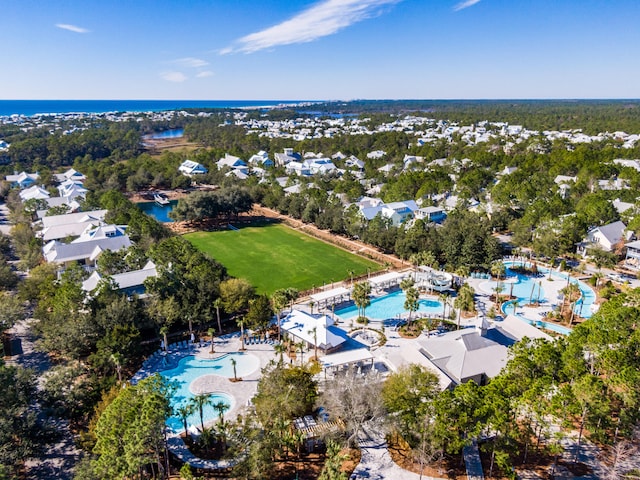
(376, 462)
(472, 462)
(60, 455)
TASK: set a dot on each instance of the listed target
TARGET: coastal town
(369, 287)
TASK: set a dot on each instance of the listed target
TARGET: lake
(175, 133)
(159, 212)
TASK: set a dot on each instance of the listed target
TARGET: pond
(175, 133)
(159, 212)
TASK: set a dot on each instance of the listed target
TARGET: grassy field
(275, 256)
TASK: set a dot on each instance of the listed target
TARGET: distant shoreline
(31, 108)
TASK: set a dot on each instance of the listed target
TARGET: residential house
(399, 212)
(261, 159)
(34, 192)
(320, 166)
(288, 156)
(376, 154)
(564, 183)
(632, 259)
(72, 189)
(605, 237)
(57, 227)
(70, 174)
(355, 163)
(130, 283)
(22, 179)
(295, 167)
(189, 168)
(231, 161)
(431, 214)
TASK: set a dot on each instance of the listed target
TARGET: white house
(399, 212)
(189, 168)
(286, 157)
(314, 330)
(354, 162)
(129, 282)
(70, 174)
(320, 166)
(72, 189)
(261, 159)
(22, 179)
(56, 227)
(231, 161)
(605, 237)
(431, 214)
(34, 192)
(85, 251)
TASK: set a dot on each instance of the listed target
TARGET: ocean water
(34, 107)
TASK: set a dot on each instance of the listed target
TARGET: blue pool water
(190, 368)
(159, 212)
(584, 306)
(390, 306)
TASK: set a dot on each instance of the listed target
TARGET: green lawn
(275, 256)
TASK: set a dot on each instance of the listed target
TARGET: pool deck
(241, 391)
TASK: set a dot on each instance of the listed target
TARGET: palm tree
(220, 407)
(498, 289)
(164, 331)
(571, 295)
(198, 403)
(241, 323)
(278, 302)
(314, 332)
(217, 304)
(233, 364)
(462, 272)
(498, 270)
(184, 411)
(279, 348)
(515, 304)
(360, 295)
(311, 305)
(211, 332)
(411, 303)
(300, 346)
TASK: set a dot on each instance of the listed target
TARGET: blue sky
(319, 49)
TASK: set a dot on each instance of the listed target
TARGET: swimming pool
(190, 368)
(584, 307)
(390, 306)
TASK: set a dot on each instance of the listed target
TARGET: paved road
(60, 454)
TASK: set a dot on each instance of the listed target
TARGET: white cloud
(324, 18)
(465, 4)
(72, 28)
(206, 73)
(177, 77)
(191, 62)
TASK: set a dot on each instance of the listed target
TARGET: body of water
(390, 306)
(176, 133)
(34, 107)
(159, 212)
(190, 368)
